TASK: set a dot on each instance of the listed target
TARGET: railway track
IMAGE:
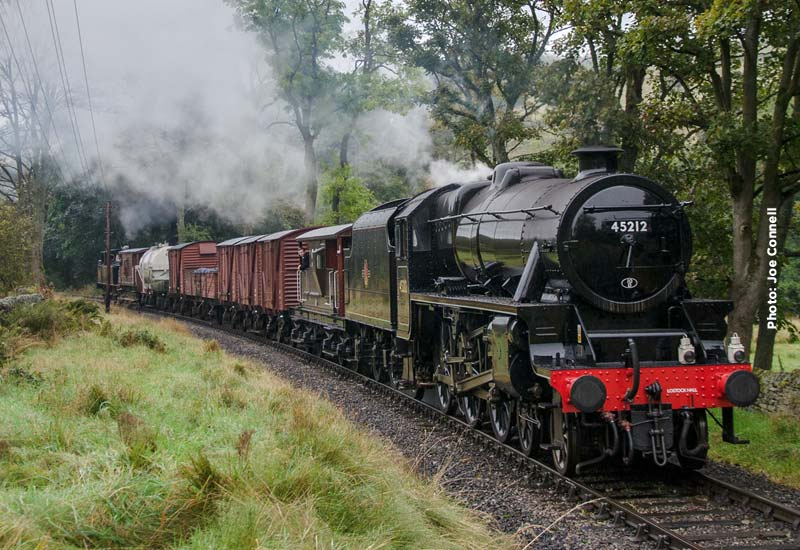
(666, 508)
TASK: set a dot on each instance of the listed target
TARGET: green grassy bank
(774, 448)
(137, 434)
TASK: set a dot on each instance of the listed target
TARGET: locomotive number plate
(629, 226)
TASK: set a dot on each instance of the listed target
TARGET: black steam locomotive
(555, 307)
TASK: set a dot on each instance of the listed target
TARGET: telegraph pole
(108, 256)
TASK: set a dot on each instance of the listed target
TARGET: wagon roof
(250, 239)
(133, 250)
(325, 232)
(283, 234)
(231, 242)
(184, 245)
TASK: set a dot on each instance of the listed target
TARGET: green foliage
(196, 232)
(125, 447)
(15, 248)
(75, 233)
(344, 197)
(51, 318)
(484, 57)
(280, 215)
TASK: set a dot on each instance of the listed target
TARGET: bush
(141, 337)
(29, 323)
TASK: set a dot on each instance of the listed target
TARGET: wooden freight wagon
(244, 267)
(277, 262)
(225, 255)
(185, 258)
(128, 276)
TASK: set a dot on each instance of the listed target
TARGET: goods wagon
(128, 276)
(183, 259)
(225, 255)
(244, 256)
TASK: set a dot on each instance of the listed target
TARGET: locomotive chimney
(596, 159)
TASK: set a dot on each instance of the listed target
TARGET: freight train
(553, 309)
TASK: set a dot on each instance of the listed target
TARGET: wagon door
(403, 300)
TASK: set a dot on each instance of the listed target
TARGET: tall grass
(104, 445)
(774, 448)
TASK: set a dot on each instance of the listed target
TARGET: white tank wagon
(153, 268)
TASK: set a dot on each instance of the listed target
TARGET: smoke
(186, 112)
(443, 172)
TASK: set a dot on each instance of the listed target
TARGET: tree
(378, 79)
(596, 87)
(483, 57)
(14, 248)
(734, 68)
(300, 36)
(26, 167)
(345, 197)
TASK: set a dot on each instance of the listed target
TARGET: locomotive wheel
(530, 435)
(501, 414)
(472, 409)
(698, 433)
(564, 437)
(444, 394)
(376, 365)
(395, 371)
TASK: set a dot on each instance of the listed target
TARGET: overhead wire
(28, 89)
(55, 33)
(89, 95)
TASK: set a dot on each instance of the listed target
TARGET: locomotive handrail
(498, 214)
(623, 208)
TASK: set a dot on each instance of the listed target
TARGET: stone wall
(780, 392)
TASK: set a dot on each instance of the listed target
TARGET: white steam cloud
(185, 113)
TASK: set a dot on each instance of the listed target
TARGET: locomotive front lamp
(736, 352)
(686, 353)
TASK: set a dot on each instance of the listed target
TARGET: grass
(774, 448)
(167, 441)
(786, 355)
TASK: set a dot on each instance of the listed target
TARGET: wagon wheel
(472, 407)
(501, 415)
(530, 428)
(564, 438)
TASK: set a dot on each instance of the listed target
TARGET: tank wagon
(554, 309)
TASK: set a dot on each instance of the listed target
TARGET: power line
(55, 33)
(33, 110)
(89, 95)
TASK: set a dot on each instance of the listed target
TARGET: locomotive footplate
(652, 430)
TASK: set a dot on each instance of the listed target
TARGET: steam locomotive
(554, 309)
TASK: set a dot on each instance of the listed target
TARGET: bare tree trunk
(310, 159)
(766, 335)
(344, 146)
(180, 226)
(633, 98)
